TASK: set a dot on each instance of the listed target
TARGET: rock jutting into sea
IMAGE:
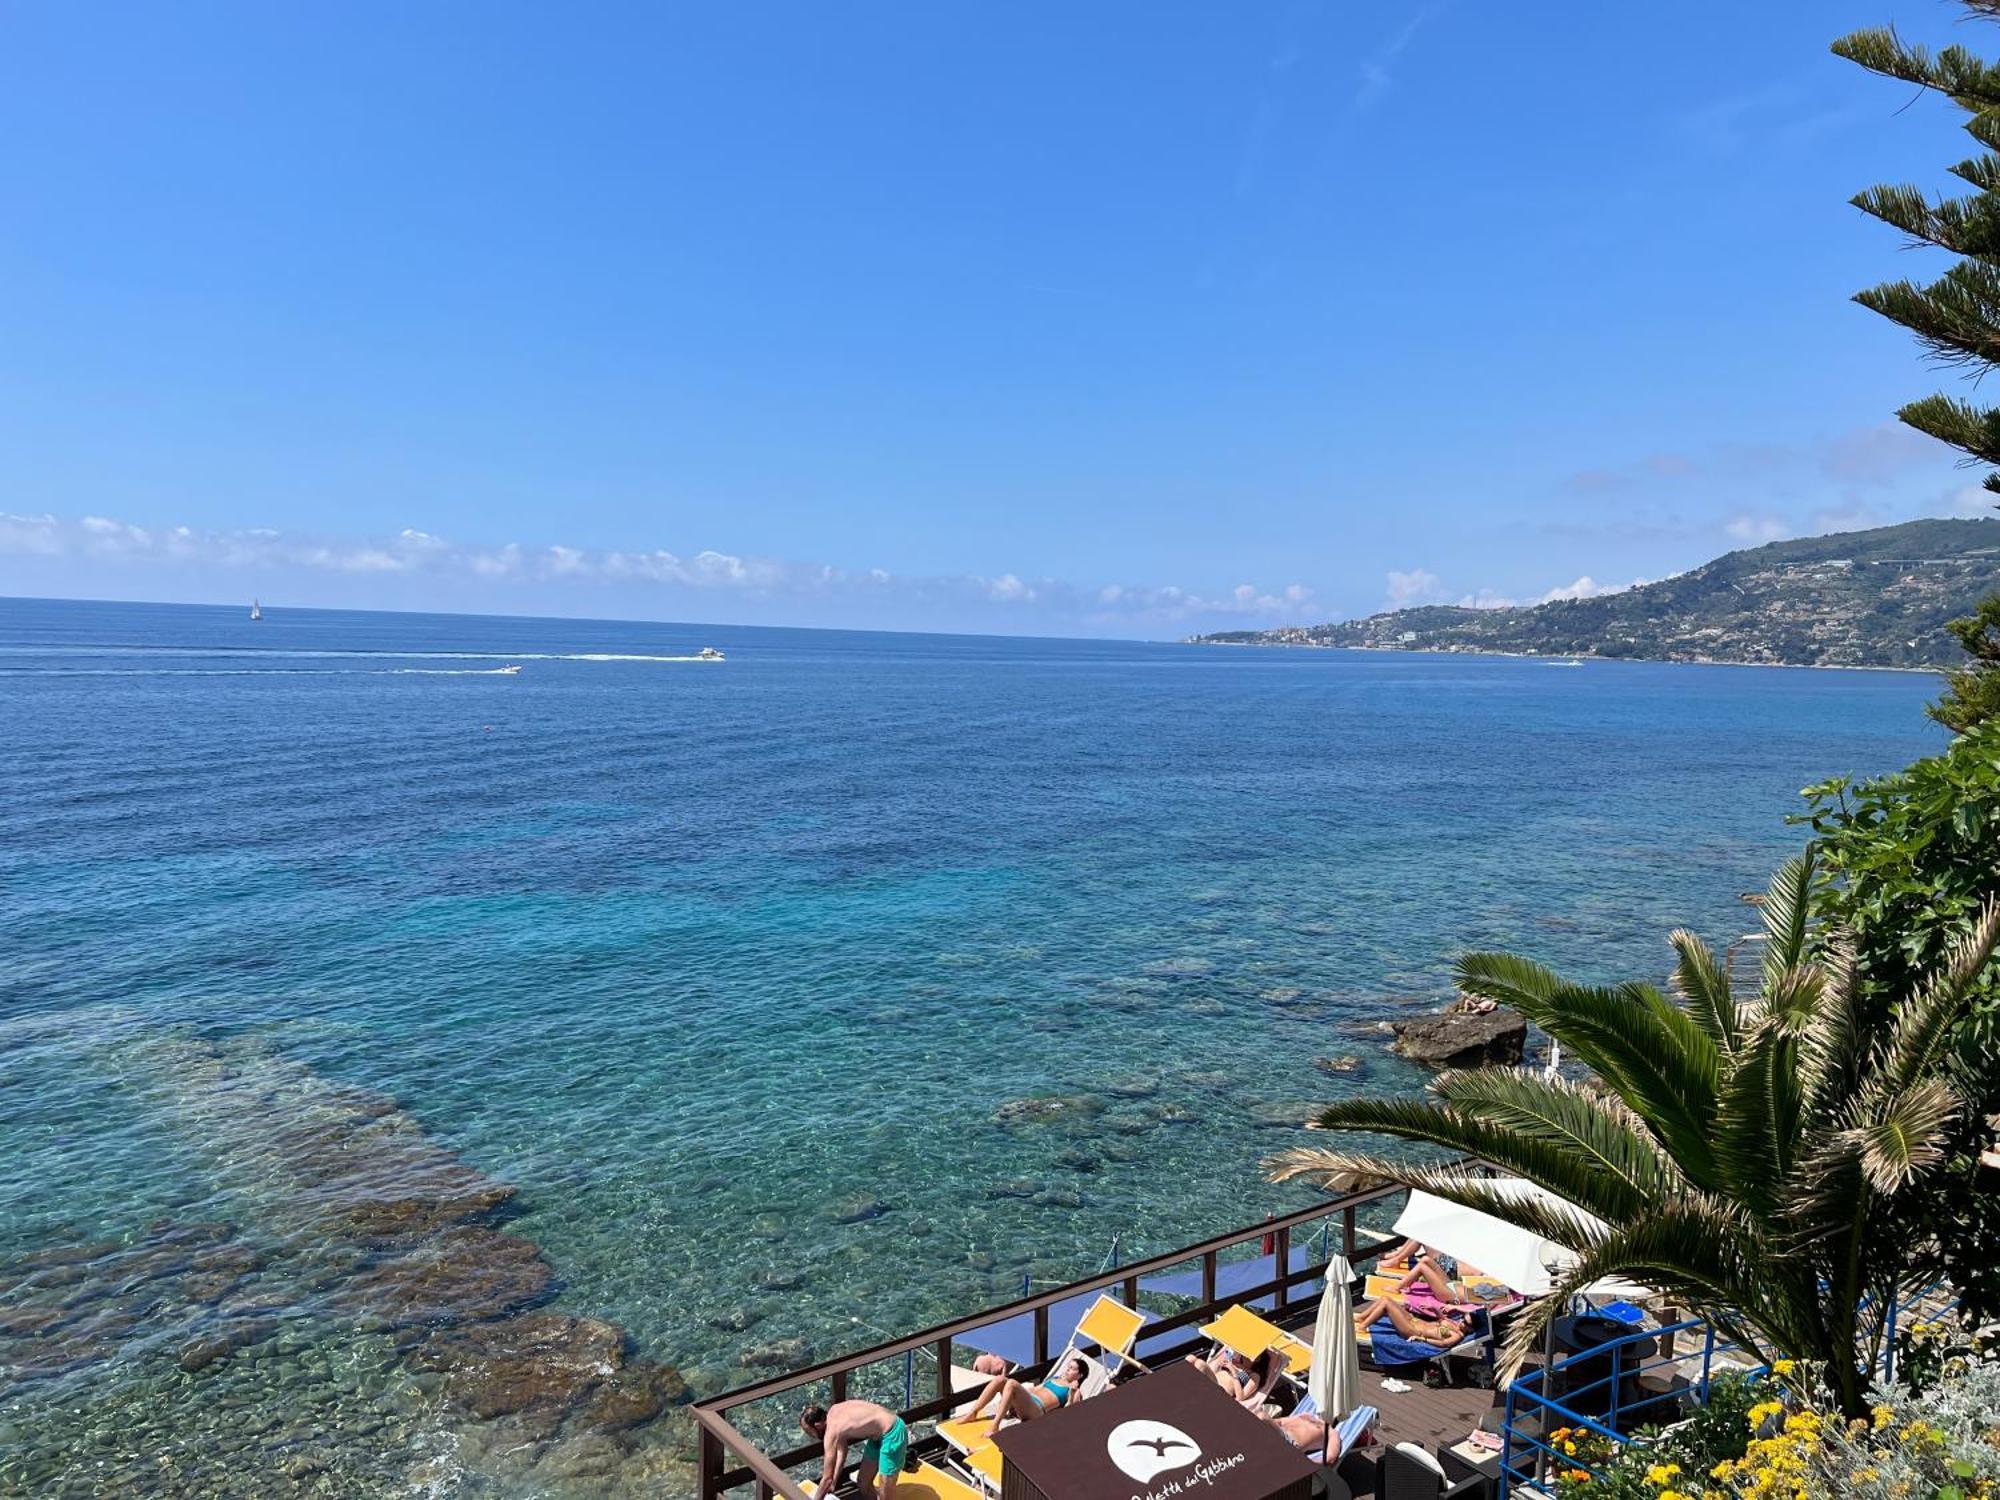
(1463, 1039)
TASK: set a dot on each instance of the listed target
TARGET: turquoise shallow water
(728, 969)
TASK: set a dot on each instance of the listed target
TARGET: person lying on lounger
(1429, 1281)
(1314, 1434)
(1011, 1398)
(1248, 1380)
(1441, 1332)
(878, 1437)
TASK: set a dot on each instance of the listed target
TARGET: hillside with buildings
(1876, 598)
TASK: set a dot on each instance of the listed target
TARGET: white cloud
(1757, 529)
(1417, 586)
(267, 557)
(1585, 587)
(1007, 589)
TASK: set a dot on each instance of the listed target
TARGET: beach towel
(1391, 1348)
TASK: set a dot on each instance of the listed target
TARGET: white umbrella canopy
(1523, 1260)
(1335, 1378)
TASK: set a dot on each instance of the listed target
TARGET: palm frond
(1924, 1021)
(1507, 979)
(1692, 1248)
(1786, 909)
(1559, 1166)
(1704, 985)
(1558, 1218)
(1753, 1129)
(1566, 1114)
(1831, 1047)
(1906, 1138)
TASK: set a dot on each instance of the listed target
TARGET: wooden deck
(1431, 1418)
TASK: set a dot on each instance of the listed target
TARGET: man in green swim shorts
(880, 1440)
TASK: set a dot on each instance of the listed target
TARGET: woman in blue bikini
(1054, 1391)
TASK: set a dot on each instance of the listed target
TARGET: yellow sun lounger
(1111, 1326)
(926, 1482)
(1244, 1332)
(967, 1434)
(930, 1482)
(986, 1463)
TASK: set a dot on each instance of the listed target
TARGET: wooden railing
(720, 1437)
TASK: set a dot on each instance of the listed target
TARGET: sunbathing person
(1427, 1281)
(879, 1437)
(1315, 1434)
(1248, 1380)
(1010, 1397)
(1441, 1332)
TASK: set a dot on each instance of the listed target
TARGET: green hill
(1856, 598)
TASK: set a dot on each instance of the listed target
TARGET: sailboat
(256, 610)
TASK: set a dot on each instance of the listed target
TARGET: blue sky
(1129, 317)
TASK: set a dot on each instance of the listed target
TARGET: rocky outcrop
(1463, 1039)
(377, 1275)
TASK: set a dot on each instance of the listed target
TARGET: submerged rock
(224, 1341)
(467, 1274)
(778, 1354)
(1042, 1109)
(1346, 1065)
(736, 1319)
(633, 1396)
(539, 1366)
(859, 1209)
(1463, 1039)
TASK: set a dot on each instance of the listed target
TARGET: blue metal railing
(1526, 1452)
(1530, 1396)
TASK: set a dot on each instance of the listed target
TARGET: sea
(417, 1075)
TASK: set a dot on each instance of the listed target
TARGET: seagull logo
(1144, 1449)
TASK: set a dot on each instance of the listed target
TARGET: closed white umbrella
(1335, 1379)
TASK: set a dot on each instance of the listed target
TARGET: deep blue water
(699, 955)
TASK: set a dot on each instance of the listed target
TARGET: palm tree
(1740, 1153)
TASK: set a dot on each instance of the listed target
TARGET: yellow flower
(1883, 1417)
(1784, 1366)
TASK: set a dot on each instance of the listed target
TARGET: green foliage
(1956, 317)
(1909, 861)
(1676, 1460)
(1744, 1153)
(1972, 691)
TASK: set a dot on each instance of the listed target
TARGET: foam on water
(735, 974)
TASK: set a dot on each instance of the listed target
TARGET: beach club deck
(1275, 1267)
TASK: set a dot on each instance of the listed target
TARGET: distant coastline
(1580, 656)
(1863, 600)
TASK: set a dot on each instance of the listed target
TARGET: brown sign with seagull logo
(1172, 1435)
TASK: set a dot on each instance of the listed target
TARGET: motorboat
(510, 670)
(709, 653)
